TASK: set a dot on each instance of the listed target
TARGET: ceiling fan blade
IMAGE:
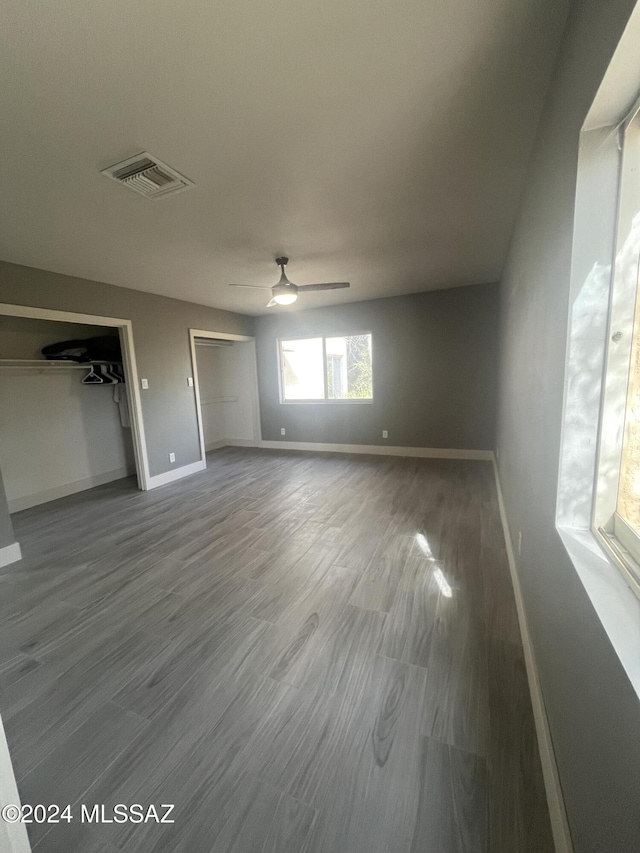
(329, 285)
(271, 303)
(255, 286)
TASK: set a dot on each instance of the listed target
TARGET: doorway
(129, 448)
(226, 386)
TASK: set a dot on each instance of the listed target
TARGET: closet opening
(226, 386)
(71, 417)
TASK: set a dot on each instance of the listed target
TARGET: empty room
(320, 427)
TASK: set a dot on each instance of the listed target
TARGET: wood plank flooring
(306, 653)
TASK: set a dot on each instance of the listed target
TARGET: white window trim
(326, 400)
(620, 544)
(616, 605)
(591, 427)
(624, 534)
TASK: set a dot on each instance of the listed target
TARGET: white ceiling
(380, 142)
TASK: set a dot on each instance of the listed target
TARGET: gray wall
(6, 528)
(434, 371)
(161, 338)
(593, 712)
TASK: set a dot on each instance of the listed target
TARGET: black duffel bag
(101, 348)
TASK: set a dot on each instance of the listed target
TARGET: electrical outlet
(145, 384)
(172, 457)
(519, 542)
(385, 433)
(190, 381)
(283, 431)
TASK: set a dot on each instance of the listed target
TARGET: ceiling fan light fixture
(285, 292)
(285, 298)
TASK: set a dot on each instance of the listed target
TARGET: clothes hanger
(104, 370)
(93, 377)
(109, 372)
(118, 371)
(104, 374)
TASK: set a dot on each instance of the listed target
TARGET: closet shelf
(47, 364)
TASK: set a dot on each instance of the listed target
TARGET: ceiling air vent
(148, 176)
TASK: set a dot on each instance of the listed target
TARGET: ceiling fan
(285, 292)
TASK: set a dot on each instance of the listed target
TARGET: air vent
(148, 176)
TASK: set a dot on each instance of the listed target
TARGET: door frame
(255, 400)
(13, 836)
(129, 365)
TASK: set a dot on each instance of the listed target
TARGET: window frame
(619, 541)
(606, 584)
(326, 400)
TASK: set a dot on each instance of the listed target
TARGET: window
(326, 369)
(626, 521)
(622, 530)
(616, 517)
(596, 443)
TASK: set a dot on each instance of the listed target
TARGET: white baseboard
(176, 474)
(215, 445)
(381, 450)
(555, 799)
(242, 442)
(26, 502)
(10, 554)
(231, 442)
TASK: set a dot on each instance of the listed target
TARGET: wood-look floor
(305, 653)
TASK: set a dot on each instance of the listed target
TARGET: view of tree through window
(616, 504)
(629, 484)
(323, 369)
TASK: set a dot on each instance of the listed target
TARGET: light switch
(190, 381)
(145, 384)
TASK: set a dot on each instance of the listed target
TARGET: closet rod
(48, 364)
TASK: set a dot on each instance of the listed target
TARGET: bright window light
(616, 515)
(629, 483)
(302, 371)
(440, 579)
(421, 539)
(327, 369)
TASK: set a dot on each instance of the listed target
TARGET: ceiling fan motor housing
(284, 285)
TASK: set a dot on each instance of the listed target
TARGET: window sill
(617, 605)
(326, 402)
